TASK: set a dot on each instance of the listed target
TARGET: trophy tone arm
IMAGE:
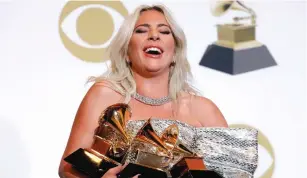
(85, 123)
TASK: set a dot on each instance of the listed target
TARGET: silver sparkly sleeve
(232, 152)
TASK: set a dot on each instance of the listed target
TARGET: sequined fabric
(231, 152)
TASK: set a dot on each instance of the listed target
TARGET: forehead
(151, 17)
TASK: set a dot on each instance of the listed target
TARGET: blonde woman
(149, 71)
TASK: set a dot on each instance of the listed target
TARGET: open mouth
(153, 51)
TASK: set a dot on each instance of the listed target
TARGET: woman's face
(152, 45)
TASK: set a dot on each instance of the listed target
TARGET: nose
(153, 35)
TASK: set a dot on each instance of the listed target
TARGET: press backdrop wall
(47, 49)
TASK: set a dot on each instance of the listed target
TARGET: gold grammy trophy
(146, 153)
(109, 146)
(153, 156)
(236, 50)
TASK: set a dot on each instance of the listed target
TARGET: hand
(112, 173)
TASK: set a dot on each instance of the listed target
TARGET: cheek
(135, 45)
(170, 51)
(132, 48)
(170, 46)
(132, 45)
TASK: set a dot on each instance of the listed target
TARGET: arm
(86, 121)
(69, 172)
(207, 113)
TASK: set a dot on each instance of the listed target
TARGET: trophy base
(133, 169)
(192, 167)
(233, 61)
(201, 174)
(90, 164)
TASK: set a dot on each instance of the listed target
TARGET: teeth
(153, 49)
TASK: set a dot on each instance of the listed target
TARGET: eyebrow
(147, 25)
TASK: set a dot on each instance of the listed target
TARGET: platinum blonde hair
(120, 75)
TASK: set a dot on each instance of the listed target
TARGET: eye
(140, 31)
(165, 32)
(87, 29)
(92, 26)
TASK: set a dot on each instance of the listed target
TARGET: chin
(153, 69)
(156, 63)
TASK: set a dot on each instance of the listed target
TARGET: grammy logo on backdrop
(236, 50)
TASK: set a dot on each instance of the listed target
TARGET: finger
(136, 176)
(125, 165)
(115, 170)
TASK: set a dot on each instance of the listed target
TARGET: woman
(149, 71)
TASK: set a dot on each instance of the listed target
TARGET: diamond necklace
(152, 101)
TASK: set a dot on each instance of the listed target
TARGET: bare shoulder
(207, 112)
(103, 90)
(98, 97)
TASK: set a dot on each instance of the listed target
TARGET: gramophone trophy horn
(170, 139)
(109, 146)
(158, 153)
(147, 135)
(221, 7)
(116, 116)
(148, 155)
(236, 50)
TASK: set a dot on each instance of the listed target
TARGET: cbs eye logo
(266, 161)
(87, 27)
